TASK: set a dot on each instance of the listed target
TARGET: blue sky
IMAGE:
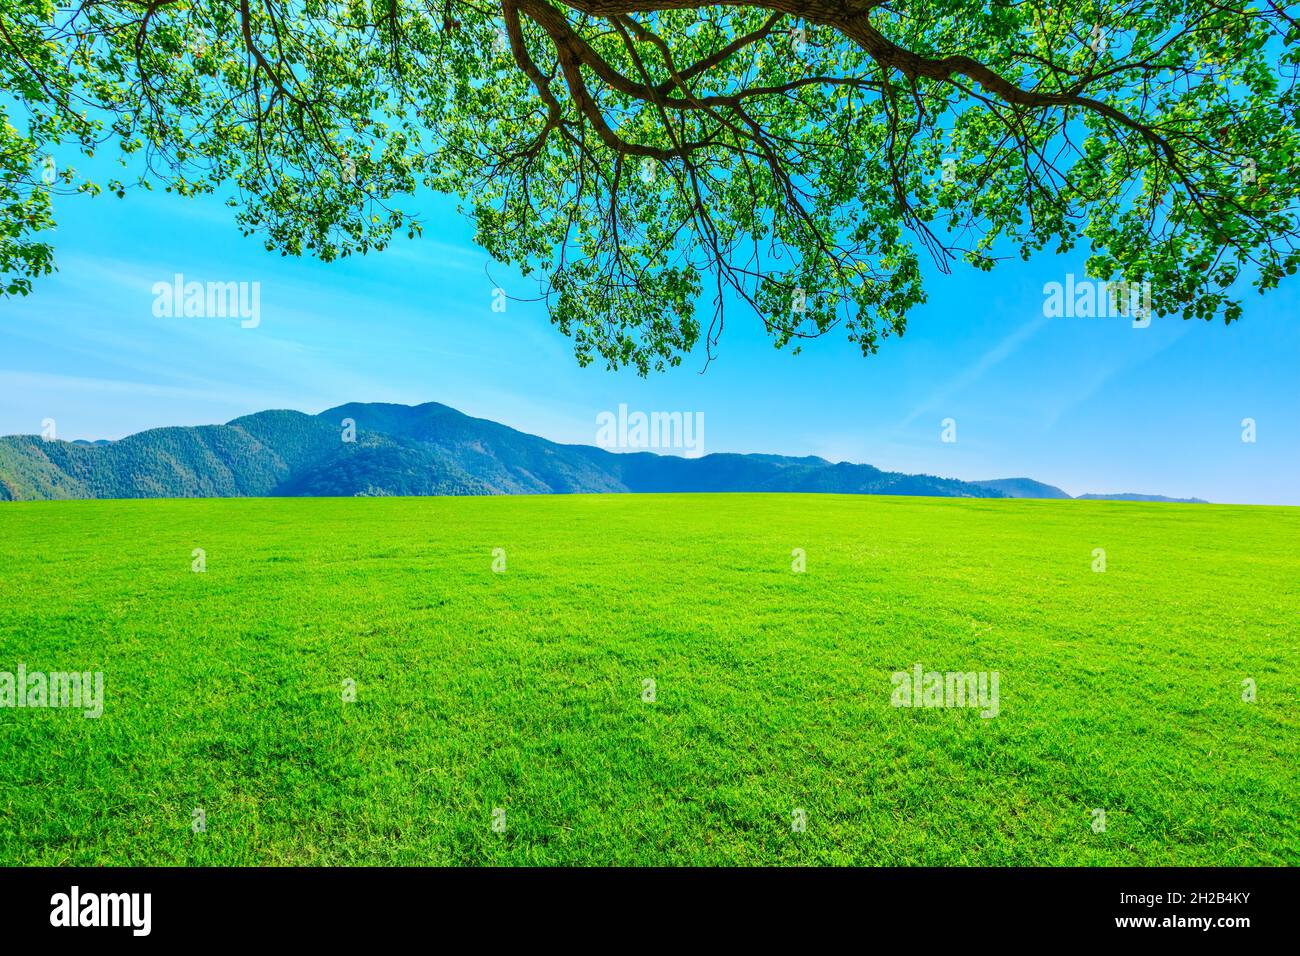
(1091, 405)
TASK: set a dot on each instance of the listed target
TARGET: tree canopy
(650, 161)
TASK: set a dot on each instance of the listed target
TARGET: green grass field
(1119, 691)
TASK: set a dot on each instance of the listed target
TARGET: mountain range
(428, 449)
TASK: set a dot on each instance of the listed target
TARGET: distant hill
(1129, 496)
(428, 449)
(1022, 488)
